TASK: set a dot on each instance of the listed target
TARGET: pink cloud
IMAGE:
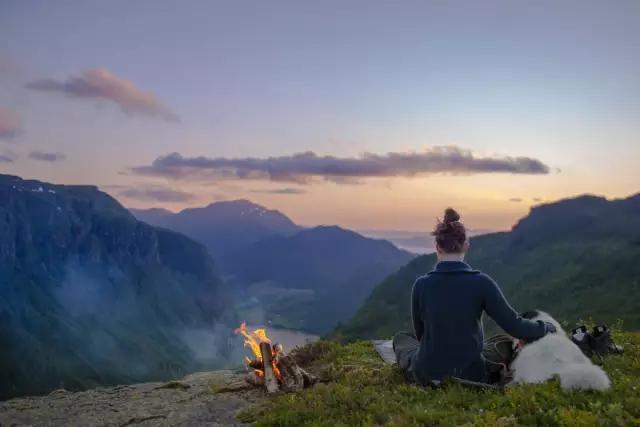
(99, 83)
(10, 124)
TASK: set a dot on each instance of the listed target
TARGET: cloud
(303, 167)
(99, 83)
(156, 194)
(43, 156)
(8, 156)
(10, 124)
(281, 191)
(537, 199)
(515, 199)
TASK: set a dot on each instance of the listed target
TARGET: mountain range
(91, 296)
(575, 258)
(281, 272)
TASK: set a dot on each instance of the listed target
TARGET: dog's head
(541, 315)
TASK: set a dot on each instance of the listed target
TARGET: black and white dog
(555, 354)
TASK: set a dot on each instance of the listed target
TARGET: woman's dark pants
(405, 346)
(497, 352)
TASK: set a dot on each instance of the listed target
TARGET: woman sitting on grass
(446, 310)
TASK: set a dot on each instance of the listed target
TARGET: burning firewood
(271, 368)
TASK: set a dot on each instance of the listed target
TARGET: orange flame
(253, 340)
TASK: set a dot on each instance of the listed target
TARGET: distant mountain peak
(241, 207)
(224, 226)
(234, 202)
(240, 210)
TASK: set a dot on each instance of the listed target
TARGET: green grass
(358, 389)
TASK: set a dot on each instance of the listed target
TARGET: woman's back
(446, 311)
(447, 307)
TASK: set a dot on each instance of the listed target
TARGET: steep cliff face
(91, 296)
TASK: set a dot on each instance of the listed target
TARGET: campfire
(270, 367)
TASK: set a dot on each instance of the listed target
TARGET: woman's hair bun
(450, 233)
(450, 215)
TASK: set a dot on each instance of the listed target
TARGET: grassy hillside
(358, 389)
(576, 259)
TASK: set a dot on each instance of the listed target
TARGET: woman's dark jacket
(446, 309)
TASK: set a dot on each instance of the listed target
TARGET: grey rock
(201, 399)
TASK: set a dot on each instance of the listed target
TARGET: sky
(372, 115)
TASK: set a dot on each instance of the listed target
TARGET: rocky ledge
(205, 398)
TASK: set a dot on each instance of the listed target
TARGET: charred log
(270, 379)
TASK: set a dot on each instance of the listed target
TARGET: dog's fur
(555, 354)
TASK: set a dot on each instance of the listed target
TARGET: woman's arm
(416, 311)
(498, 308)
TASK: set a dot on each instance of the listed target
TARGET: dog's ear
(530, 314)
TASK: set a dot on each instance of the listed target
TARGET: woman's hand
(549, 328)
